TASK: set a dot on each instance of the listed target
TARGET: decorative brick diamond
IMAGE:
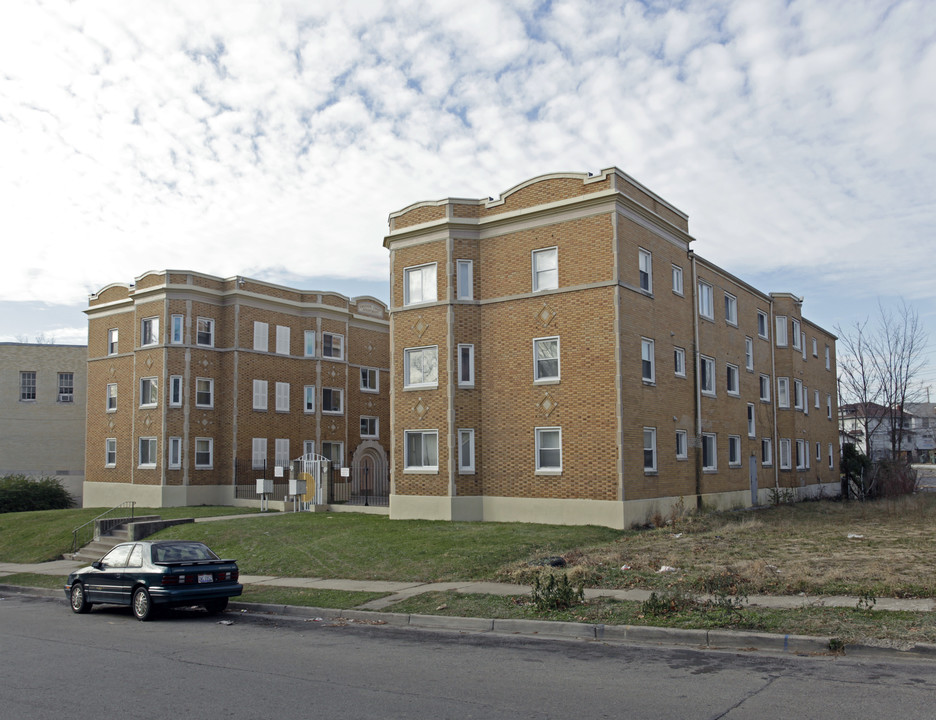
(421, 409)
(421, 326)
(548, 404)
(546, 315)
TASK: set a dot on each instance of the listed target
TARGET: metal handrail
(124, 504)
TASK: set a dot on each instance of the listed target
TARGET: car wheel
(78, 601)
(142, 604)
(216, 606)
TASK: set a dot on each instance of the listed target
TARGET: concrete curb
(724, 640)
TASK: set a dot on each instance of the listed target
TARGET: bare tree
(879, 370)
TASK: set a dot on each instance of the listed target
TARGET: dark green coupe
(150, 575)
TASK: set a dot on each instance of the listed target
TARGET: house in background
(198, 385)
(43, 393)
(560, 354)
(869, 427)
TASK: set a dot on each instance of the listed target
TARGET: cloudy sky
(273, 139)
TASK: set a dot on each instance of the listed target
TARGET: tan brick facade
(228, 367)
(587, 264)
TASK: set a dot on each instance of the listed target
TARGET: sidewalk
(403, 590)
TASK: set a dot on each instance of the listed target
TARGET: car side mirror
(97, 565)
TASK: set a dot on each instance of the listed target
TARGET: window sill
(370, 391)
(148, 407)
(201, 467)
(680, 375)
(557, 471)
(734, 394)
(434, 386)
(332, 412)
(421, 471)
(201, 407)
(649, 383)
(466, 472)
(146, 467)
(682, 458)
(709, 471)
(708, 394)
(650, 473)
(466, 386)
(110, 466)
(547, 381)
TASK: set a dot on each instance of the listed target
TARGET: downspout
(697, 385)
(771, 332)
(619, 405)
(452, 360)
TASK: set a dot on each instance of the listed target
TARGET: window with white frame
(147, 449)
(204, 453)
(795, 332)
(545, 269)
(801, 455)
(282, 397)
(766, 452)
(204, 392)
(645, 267)
(281, 452)
(647, 368)
(175, 391)
(149, 392)
(828, 358)
(308, 395)
(419, 284)
(749, 354)
(332, 346)
(816, 399)
(709, 452)
(818, 453)
(334, 451)
(110, 452)
(258, 453)
(548, 449)
(261, 336)
(751, 430)
(111, 402)
(370, 380)
(765, 388)
(828, 402)
(66, 387)
(707, 375)
(805, 399)
(308, 447)
(421, 450)
(177, 329)
(464, 279)
(797, 394)
(706, 302)
(332, 401)
(733, 379)
(762, 325)
(112, 336)
(682, 445)
(282, 339)
(369, 427)
(679, 361)
(734, 451)
(546, 359)
(783, 392)
(831, 461)
(466, 450)
(815, 348)
(785, 463)
(803, 344)
(28, 385)
(204, 334)
(421, 367)
(781, 330)
(260, 392)
(175, 453)
(308, 343)
(466, 365)
(731, 309)
(677, 280)
(649, 450)
(149, 331)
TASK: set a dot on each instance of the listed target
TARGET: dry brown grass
(788, 549)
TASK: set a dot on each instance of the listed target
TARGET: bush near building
(20, 493)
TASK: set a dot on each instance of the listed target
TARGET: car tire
(142, 604)
(216, 606)
(78, 600)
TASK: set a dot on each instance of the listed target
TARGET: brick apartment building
(198, 384)
(561, 354)
(42, 411)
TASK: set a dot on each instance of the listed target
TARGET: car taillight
(169, 580)
(227, 576)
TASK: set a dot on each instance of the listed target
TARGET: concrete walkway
(398, 591)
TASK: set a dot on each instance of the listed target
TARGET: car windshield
(181, 552)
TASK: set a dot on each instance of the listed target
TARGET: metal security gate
(313, 470)
(370, 480)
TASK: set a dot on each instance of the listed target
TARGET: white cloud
(248, 138)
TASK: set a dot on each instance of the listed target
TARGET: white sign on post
(345, 472)
(278, 471)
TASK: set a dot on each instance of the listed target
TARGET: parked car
(151, 575)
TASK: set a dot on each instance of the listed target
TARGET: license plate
(205, 577)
